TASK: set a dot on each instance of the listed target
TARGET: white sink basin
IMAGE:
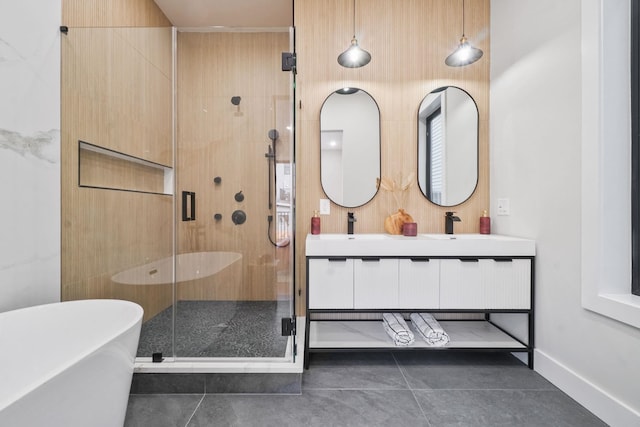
(421, 245)
(345, 237)
(465, 236)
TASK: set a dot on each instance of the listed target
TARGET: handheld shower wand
(271, 156)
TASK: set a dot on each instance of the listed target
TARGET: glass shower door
(234, 195)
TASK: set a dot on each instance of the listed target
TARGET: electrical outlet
(325, 207)
(504, 207)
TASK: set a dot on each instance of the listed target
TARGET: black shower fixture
(271, 177)
(235, 100)
(238, 217)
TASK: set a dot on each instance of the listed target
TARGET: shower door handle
(188, 198)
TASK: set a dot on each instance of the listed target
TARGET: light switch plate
(504, 207)
(325, 207)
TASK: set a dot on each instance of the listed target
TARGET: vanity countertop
(420, 245)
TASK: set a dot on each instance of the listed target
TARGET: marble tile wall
(29, 153)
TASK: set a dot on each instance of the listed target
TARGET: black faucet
(449, 219)
(350, 220)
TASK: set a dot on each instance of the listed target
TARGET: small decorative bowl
(410, 229)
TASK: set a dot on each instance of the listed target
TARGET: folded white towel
(397, 329)
(430, 329)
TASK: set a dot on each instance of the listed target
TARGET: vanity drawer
(471, 283)
(419, 283)
(507, 284)
(460, 284)
(375, 283)
(331, 283)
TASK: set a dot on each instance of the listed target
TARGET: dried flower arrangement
(393, 223)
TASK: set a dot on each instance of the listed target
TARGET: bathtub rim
(20, 391)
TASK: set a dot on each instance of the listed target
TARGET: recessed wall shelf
(103, 168)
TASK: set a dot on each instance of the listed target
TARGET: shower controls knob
(217, 217)
(239, 196)
(238, 217)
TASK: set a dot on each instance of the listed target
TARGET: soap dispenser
(485, 223)
(315, 223)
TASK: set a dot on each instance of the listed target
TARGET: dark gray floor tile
(159, 410)
(168, 383)
(312, 408)
(360, 371)
(435, 370)
(495, 408)
(254, 383)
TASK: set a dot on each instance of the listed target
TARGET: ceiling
(228, 13)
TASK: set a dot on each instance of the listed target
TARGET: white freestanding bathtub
(68, 364)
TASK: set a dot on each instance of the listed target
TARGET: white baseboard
(609, 409)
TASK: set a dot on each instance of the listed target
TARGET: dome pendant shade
(465, 54)
(354, 56)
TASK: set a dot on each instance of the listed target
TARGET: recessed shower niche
(103, 168)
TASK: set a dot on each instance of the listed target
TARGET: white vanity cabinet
(462, 280)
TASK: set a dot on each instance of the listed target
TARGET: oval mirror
(350, 147)
(448, 146)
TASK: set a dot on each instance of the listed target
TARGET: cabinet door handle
(419, 259)
(337, 259)
(370, 259)
(503, 259)
(469, 260)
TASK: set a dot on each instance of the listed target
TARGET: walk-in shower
(165, 201)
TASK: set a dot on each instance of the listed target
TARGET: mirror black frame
(427, 155)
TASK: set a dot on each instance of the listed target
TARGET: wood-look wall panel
(408, 41)
(217, 138)
(110, 78)
(113, 13)
(124, 87)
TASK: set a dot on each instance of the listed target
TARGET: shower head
(235, 100)
(273, 135)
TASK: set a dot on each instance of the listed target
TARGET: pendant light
(354, 56)
(465, 54)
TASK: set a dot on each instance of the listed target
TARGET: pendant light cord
(354, 19)
(462, 18)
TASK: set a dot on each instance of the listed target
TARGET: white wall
(536, 143)
(29, 153)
